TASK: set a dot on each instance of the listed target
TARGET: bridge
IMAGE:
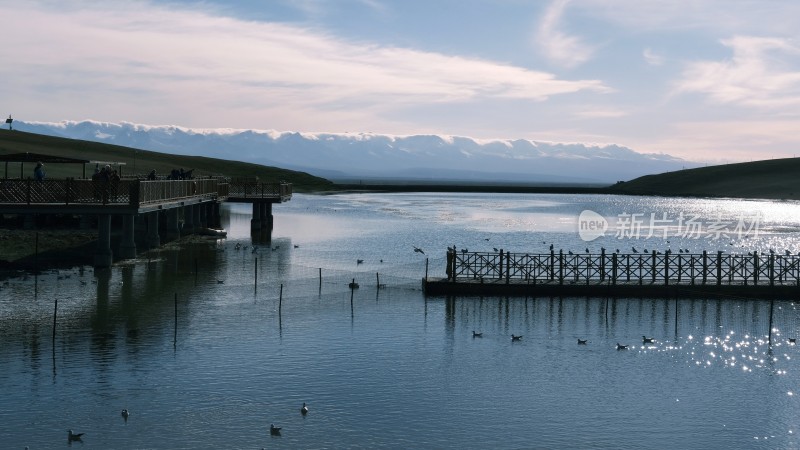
(141, 203)
(653, 274)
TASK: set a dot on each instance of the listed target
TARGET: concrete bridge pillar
(127, 247)
(173, 230)
(203, 215)
(188, 219)
(214, 219)
(255, 222)
(196, 217)
(153, 239)
(103, 256)
(266, 216)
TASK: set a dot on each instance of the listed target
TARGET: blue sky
(713, 80)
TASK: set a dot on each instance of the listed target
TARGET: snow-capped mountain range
(366, 156)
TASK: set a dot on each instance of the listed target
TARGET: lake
(206, 345)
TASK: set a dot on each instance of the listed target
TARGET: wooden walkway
(613, 274)
(85, 196)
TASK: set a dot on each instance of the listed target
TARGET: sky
(704, 80)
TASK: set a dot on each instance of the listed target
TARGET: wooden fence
(612, 268)
(132, 191)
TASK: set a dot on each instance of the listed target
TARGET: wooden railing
(254, 189)
(638, 268)
(131, 191)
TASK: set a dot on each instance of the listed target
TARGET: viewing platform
(188, 205)
(655, 274)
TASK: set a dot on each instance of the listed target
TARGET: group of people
(104, 174)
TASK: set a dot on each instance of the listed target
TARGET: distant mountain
(352, 156)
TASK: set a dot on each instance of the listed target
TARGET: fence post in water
(377, 280)
(719, 267)
(426, 270)
(280, 300)
(256, 274)
(195, 271)
(55, 314)
(176, 312)
(320, 278)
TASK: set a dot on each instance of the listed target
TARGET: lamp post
(8, 121)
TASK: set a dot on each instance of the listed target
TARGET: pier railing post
(705, 266)
(719, 267)
(552, 265)
(561, 267)
(500, 275)
(614, 268)
(602, 264)
(755, 268)
(653, 267)
(666, 268)
(771, 269)
(508, 266)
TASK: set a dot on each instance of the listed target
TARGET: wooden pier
(190, 205)
(655, 274)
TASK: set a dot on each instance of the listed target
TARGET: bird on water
(582, 341)
(125, 414)
(73, 436)
(304, 409)
(516, 338)
(621, 347)
(273, 430)
(646, 340)
(418, 250)
(476, 334)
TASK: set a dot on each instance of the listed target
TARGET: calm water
(388, 368)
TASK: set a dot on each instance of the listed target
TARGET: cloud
(757, 75)
(557, 46)
(652, 58)
(140, 53)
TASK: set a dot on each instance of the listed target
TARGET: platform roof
(38, 157)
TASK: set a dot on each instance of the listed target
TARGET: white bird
(418, 250)
(304, 409)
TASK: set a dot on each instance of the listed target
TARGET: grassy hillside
(139, 161)
(773, 179)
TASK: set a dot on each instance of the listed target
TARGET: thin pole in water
(195, 271)
(320, 278)
(377, 280)
(426, 270)
(280, 300)
(55, 314)
(352, 290)
(256, 277)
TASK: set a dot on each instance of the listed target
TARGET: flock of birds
(645, 340)
(273, 430)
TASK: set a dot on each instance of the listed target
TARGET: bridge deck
(129, 195)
